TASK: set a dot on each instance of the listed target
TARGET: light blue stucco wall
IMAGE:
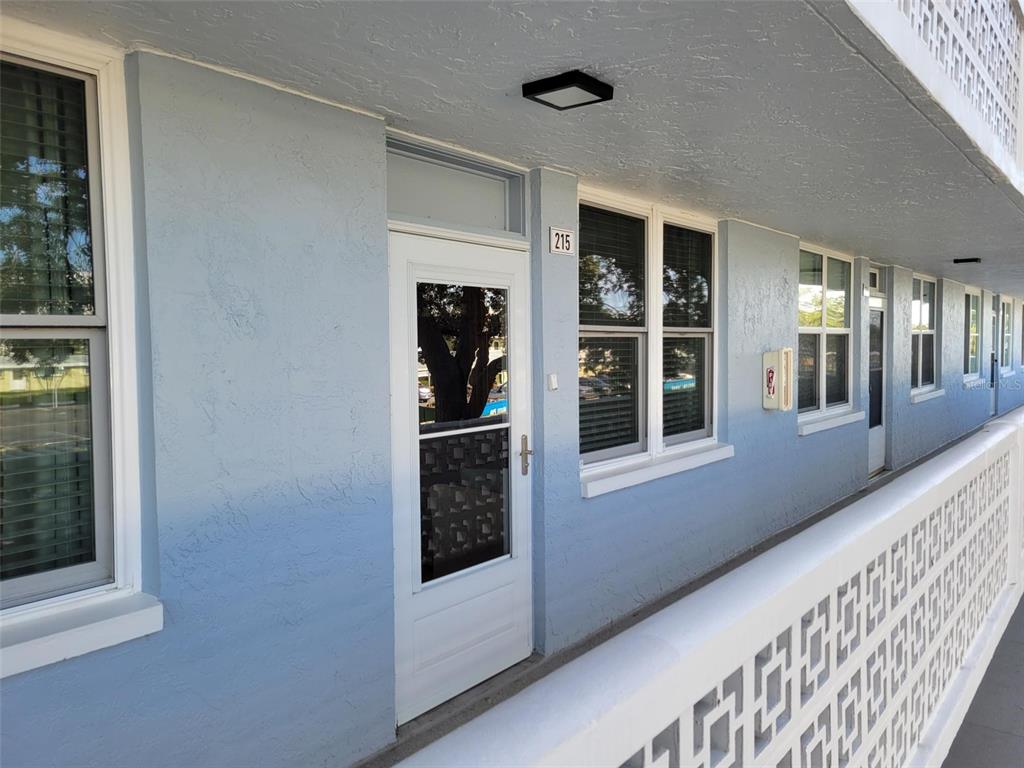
(607, 556)
(917, 429)
(262, 265)
(265, 242)
(554, 319)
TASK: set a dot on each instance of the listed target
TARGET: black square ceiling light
(568, 90)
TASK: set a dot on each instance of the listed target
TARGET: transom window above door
(646, 338)
(825, 309)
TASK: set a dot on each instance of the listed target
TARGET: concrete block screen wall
(261, 248)
(858, 641)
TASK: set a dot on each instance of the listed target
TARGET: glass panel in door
(875, 369)
(463, 394)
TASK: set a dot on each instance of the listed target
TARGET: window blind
(837, 350)
(807, 372)
(609, 405)
(54, 481)
(46, 481)
(611, 268)
(46, 263)
(684, 385)
(686, 278)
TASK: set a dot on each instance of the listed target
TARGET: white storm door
(460, 391)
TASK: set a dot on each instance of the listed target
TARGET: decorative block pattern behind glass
(463, 500)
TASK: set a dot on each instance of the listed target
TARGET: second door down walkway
(992, 735)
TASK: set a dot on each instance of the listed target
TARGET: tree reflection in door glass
(462, 380)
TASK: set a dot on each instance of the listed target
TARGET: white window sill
(596, 482)
(923, 396)
(39, 637)
(971, 378)
(1006, 373)
(811, 425)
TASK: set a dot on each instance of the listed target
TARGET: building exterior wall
(262, 263)
(556, 482)
(265, 237)
(919, 428)
(604, 557)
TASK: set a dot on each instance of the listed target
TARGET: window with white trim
(972, 333)
(825, 307)
(686, 313)
(1006, 347)
(922, 333)
(645, 317)
(56, 522)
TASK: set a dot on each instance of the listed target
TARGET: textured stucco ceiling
(754, 110)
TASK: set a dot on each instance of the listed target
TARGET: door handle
(525, 452)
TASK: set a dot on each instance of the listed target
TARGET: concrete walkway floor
(992, 735)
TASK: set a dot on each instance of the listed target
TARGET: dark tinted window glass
(608, 391)
(836, 378)
(927, 359)
(47, 518)
(915, 352)
(807, 372)
(611, 264)
(875, 367)
(684, 385)
(46, 259)
(686, 278)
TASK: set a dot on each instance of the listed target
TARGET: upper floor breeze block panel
(978, 44)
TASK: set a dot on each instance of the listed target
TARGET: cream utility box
(777, 380)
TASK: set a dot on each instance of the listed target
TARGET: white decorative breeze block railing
(978, 44)
(858, 642)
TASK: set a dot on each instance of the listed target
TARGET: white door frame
(460, 629)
